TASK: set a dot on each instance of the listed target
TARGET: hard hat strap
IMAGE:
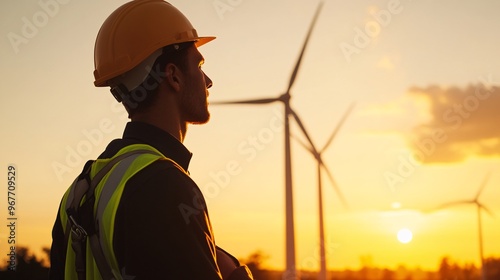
(118, 92)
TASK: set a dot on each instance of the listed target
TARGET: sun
(405, 235)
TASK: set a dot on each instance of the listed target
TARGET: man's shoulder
(161, 185)
(163, 176)
(115, 146)
(160, 173)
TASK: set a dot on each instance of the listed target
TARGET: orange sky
(424, 76)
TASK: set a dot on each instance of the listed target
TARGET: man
(140, 215)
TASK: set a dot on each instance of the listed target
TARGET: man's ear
(173, 76)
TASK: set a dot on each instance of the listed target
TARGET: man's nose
(208, 81)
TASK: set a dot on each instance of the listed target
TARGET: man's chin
(201, 119)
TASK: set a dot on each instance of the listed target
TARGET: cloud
(464, 122)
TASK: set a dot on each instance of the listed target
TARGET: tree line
(30, 266)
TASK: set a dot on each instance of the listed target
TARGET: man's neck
(173, 126)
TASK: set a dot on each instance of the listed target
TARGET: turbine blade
(483, 184)
(480, 205)
(250, 101)
(335, 186)
(296, 69)
(303, 144)
(346, 114)
(450, 204)
(302, 127)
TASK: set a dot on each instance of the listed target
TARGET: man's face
(193, 102)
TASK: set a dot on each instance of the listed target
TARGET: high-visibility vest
(107, 198)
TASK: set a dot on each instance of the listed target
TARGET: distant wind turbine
(321, 164)
(480, 207)
(290, 272)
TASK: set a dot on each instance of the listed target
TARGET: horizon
(424, 76)
(259, 256)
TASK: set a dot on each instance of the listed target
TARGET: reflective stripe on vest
(107, 196)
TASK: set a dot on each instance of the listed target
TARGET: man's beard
(195, 109)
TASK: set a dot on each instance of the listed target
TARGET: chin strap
(119, 92)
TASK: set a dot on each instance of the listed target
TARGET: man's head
(192, 87)
(135, 46)
(185, 85)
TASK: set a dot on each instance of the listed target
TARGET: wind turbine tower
(479, 207)
(291, 271)
(321, 165)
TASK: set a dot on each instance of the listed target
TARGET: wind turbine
(321, 164)
(290, 272)
(480, 207)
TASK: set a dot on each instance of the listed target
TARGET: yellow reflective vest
(107, 198)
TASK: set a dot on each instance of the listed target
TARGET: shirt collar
(163, 141)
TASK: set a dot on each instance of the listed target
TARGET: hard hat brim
(103, 80)
(203, 40)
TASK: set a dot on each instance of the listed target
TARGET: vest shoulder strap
(84, 189)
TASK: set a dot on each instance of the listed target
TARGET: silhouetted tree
(388, 274)
(449, 270)
(46, 251)
(28, 266)
(492, 268)
(444, 268)
(254, 262)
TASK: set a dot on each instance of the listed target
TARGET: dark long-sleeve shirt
(162, 227)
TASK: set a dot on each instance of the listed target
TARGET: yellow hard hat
(136, 30)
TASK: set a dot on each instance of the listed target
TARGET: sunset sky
(424, 77)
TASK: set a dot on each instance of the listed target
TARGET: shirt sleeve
(162, 227)
(231, 267)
